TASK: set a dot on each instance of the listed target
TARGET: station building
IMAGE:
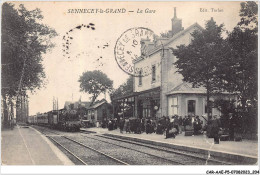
(162, 91)
(98, 112)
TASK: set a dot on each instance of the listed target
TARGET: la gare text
(111, 10)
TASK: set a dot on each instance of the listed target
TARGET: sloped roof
(97, 104)
(186, 88)
(177, 35)
(170, 40)
(174, 37)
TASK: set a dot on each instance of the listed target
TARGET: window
(191, 107)
(173, 106)
(140, 78)
(146, 112)
(153, 73)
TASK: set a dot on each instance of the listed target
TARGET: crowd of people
(169, 126)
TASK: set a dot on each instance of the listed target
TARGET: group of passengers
(170, 126)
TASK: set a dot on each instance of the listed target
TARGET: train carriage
(53, 118)
(62, 119)
(42, 119)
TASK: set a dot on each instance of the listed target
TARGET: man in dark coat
(159, 128)
(138, 126)
(171, 131)
(148, 127)
(115, 123)
(110, 125)
(197, 125)
(168, 127)
(176, 123)
(185, 122)
(127, 126)
(215, 129)
(121, 124)
(231, 127)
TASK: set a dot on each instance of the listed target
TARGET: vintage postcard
(130, 83)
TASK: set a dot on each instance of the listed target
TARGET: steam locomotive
(63, 119)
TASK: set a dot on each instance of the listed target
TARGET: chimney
(175, 16)
(176, 24)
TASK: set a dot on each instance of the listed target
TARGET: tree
(241, 61)
(249, 15)
(238, 71)
(197, 61)
(24, 40)
(225, 107)
(124, 89)
(95, 82)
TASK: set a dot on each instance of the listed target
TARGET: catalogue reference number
(232, 172)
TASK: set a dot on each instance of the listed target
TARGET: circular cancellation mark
(131, 47)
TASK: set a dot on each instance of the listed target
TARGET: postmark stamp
(68, 38)
(82, 43)
(131, 47)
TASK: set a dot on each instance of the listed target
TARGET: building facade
(161, 91)
(98, 112)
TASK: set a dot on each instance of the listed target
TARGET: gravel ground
(171, 156)
(71, 157)
(129, 156)
(89, 156)
(187, 160)
(190, 161)
(137, 156)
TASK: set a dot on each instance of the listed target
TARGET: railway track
(67, 150)
(78, 150)
(150, 154)
(86, 152)
(53, 136)
(211, 161)
(94, 143)
(177, 157)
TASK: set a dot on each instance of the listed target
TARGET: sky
(94, 49)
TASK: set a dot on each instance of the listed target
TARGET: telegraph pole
(52, 104)
(57, 104)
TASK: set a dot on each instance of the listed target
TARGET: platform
(26, 146)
